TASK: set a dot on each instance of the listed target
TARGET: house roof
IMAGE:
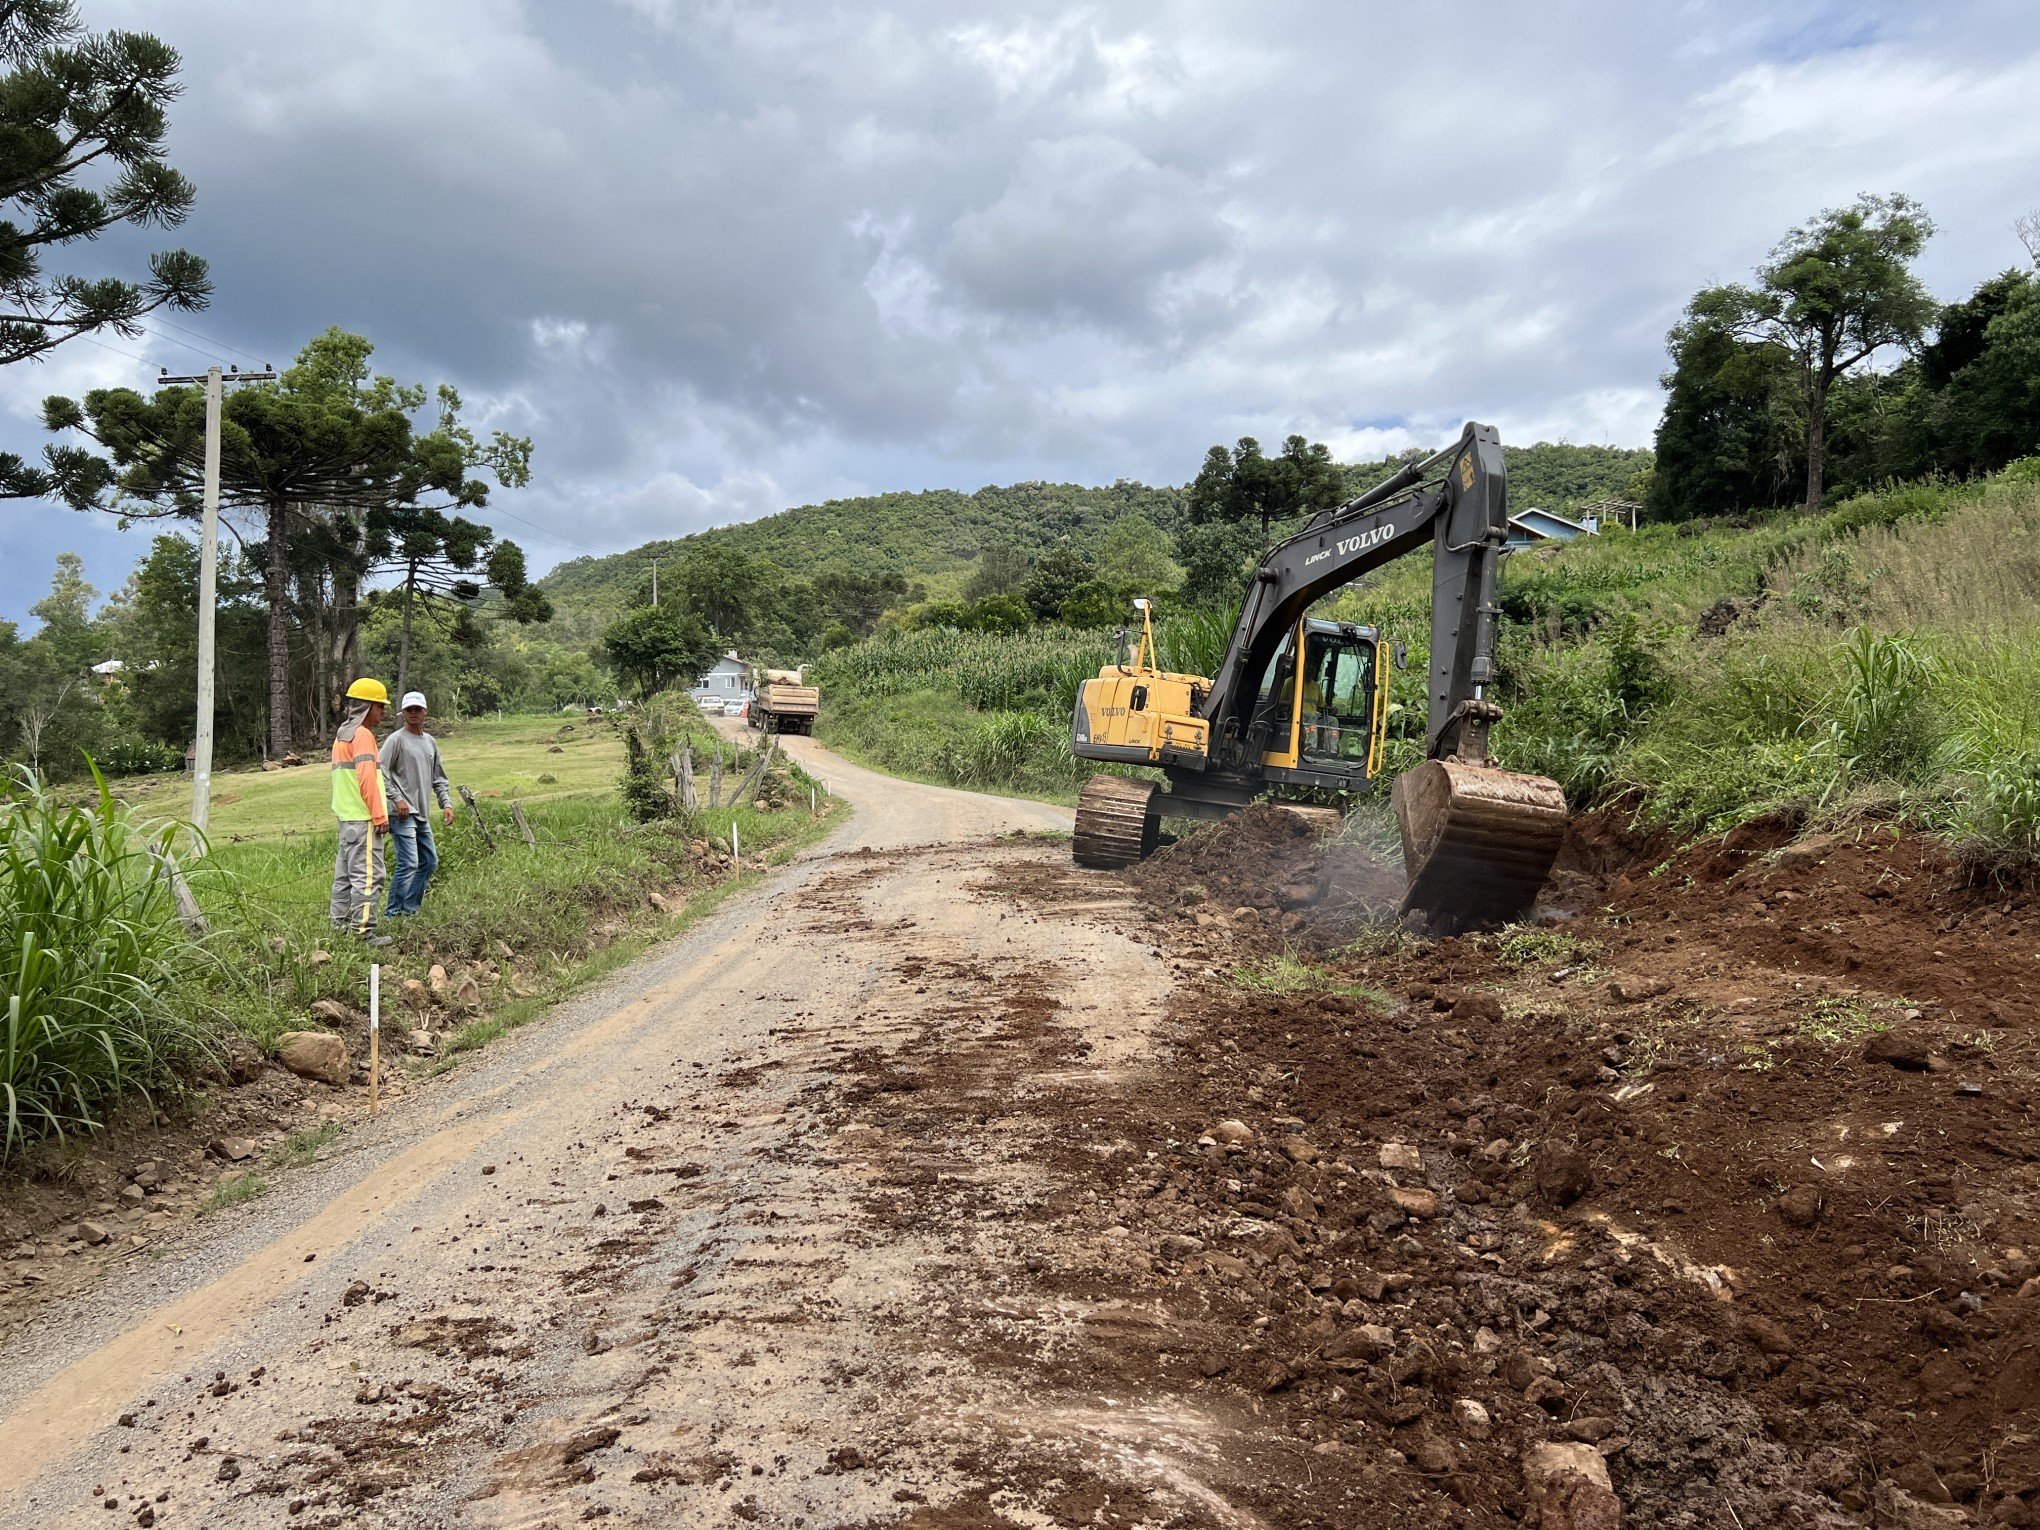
(1546, 523)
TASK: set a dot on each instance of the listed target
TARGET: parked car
(710, 706)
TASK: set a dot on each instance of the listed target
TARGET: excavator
(1299, 706)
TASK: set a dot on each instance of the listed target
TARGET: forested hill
(927, 535)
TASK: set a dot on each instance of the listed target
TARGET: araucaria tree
(1834, 293)
(335, 478)
(75, 103)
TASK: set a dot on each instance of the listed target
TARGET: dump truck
(1299, 706)
(783, 704)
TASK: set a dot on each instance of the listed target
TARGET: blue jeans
(416, 859)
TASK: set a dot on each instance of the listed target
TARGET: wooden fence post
(517, 812)
(467, 795)
(715, 778)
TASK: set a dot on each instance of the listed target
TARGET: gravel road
(625, 1264)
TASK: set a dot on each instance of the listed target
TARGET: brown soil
(1734, 1181)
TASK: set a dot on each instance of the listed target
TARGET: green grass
(236, 1191)
(1288, 974)
(500, 760)
(1525, 945)
(302, 1147)
(549, 916)
(100, 980)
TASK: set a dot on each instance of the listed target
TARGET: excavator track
(1116, 822)
(1478, 842)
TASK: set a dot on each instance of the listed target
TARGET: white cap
(412, 699)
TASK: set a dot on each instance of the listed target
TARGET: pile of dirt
(1725, 1172)
(1270, 876)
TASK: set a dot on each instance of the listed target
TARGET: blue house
(729, 680)
(1534, 525)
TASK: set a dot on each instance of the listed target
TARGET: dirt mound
(1727, 1169)
(1299, 886)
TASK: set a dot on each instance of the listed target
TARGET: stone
(333, 1012)
(420, 1043)
(1768, 1336)
(133, 1194)
(1634, 990)
(1233, 1131)
(1800, 1205)
(1416, 1203)
(1400, 1155)
(1433, 1457)
(658, 901)
(1472, 1419)
(437, 981)
(1369, 1341)
(468, 996)
(415, 995)
(1900, 1510)
(315, 1055)
(1563, 1173)
(1297, 1150)
(320, 958)
(93, 1232)
(1591, 1429)
(1570, 1484)
(1900, 1047)
(232, 1149)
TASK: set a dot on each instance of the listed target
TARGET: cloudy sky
(723, 257)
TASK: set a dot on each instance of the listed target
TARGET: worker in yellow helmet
(360, 805)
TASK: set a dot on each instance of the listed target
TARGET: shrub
(96, 970)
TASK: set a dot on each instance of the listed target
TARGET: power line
(159, 319)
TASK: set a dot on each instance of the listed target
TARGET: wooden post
(751, 779)
(374, 1036)
(517, 812)
(688, 799)
(467, 795)
(180, 890)
(715, 778)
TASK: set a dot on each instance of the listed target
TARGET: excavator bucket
(1478, 842)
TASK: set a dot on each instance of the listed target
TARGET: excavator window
(1338, 695)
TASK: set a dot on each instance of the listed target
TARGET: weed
(302, 1147)
(1289, 973)
(99, 977)
(233, 1191)
(1756, 1058)
(1837, 1021)
(1524, 945)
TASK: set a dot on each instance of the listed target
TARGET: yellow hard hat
(369, 690)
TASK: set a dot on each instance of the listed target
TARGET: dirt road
(636, 1261)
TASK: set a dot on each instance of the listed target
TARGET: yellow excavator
(1299, 706)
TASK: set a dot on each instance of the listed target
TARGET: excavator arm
(1477, 841)
(1465, 517)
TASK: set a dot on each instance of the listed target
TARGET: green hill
(936, 536)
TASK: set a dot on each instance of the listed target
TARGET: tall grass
(98, 975)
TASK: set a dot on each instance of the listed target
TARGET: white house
(729, 680)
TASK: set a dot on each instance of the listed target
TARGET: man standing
(364, 816)
(410, 762)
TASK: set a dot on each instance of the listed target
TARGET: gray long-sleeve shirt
(410, 764)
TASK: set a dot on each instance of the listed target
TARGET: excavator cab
(1333, 720)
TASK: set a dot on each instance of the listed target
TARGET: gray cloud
(720, 257)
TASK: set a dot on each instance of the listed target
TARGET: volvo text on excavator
(1300, 705)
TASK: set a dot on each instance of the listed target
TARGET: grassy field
(512, 758)
(528, 923)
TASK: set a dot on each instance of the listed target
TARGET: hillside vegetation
(937, 536)
(1872, 658)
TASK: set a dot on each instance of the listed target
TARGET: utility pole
(208, 583)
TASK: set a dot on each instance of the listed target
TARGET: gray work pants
(359, 876)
